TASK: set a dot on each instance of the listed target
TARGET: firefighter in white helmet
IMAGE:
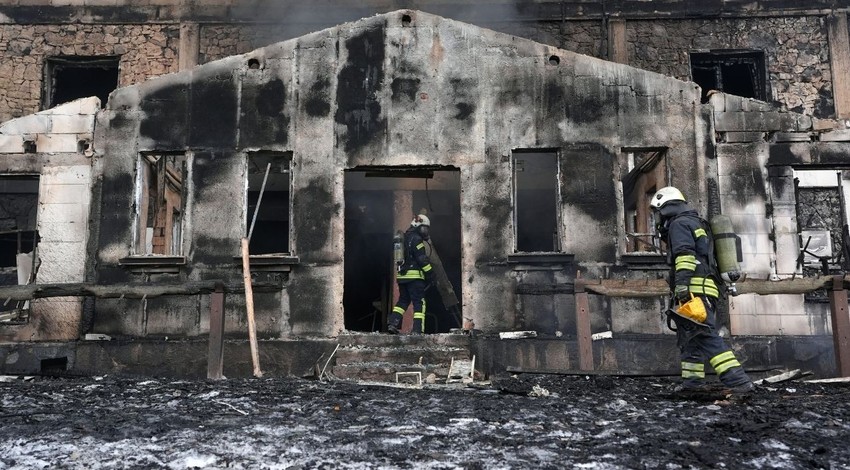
(694, 280)
(414, 274)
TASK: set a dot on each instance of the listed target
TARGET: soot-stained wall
(400, 89)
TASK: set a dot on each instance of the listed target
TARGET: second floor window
(737, 72)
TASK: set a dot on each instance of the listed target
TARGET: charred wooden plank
(659, 287)
(128, 291)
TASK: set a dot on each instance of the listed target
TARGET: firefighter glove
(682, 294)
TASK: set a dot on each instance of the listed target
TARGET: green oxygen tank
(727, 250)
(398, 249)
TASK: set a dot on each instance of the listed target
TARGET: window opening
(535, 201)
(72, 77)
(821, 220)
(646, 170)
(741, 73)
(160, 204)
(18, 239)
(271, 229)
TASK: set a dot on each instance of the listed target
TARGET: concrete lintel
(792, 137)
(742, 137)
(842, 135)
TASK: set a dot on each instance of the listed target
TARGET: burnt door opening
(18, 239)
(379, 201)
(73, 77)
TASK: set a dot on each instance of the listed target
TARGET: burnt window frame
(755, 58)
(657, 161)
(838, 259)
(287, 162)
(138, 249)
(54, 64)
(557, 234)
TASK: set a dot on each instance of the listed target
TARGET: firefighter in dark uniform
(693, 273)
(413, 277)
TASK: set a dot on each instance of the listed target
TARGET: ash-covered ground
(525, 421)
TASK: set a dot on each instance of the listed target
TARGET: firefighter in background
(414, 274)
(695, 281)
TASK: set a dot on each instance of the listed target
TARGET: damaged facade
(533, 161)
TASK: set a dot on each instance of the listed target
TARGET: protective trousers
(698, 343)
(412, 291)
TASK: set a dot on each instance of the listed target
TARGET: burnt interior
(373, 197)
(269, 173)
(535, 199)
(72, 77)
(644, 172)
(741, 73)
(18, 236)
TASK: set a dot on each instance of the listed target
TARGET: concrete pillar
(839, 61)
(618, 50)
(190, 45)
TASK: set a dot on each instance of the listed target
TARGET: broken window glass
(160, 204)
(271, 222)
(737, 72)
(18, 238)
(536, 201)
(69, 78)
(645, 172)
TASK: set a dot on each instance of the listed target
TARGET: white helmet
(665, 195)
(421, 219)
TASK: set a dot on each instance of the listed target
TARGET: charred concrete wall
(763, 156)
(400, 89)
(55, 145)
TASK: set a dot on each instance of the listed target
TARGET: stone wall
(145, 51)
(796, 51)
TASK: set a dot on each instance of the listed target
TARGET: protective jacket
(417, 265)
(691, 251)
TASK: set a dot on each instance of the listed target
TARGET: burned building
(534, 163)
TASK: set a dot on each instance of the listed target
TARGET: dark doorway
(380, 201)
(18, 238)
(73, 77)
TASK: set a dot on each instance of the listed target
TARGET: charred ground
(524, 421)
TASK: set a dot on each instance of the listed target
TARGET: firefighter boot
(418, 327)
(394, 323)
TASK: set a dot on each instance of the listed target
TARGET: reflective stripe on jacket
(416, 265)
(690, 250)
